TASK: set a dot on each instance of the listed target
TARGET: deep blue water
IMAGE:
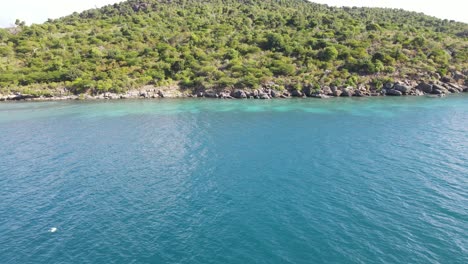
(372, 180)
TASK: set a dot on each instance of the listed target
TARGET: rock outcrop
(404, 89)
(455, 84)
(348, 91)
(393, 92)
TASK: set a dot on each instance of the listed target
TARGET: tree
(20, 23)
(275, 42)
(328, 54)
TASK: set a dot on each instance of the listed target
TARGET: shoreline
(267, 92)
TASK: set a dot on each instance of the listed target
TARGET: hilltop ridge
(222, 46)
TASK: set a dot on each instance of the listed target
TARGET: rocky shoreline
(268, 91)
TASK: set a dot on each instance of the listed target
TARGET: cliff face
(227, 46)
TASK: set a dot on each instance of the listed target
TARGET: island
(233, 49)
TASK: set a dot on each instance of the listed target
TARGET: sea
(344, 180)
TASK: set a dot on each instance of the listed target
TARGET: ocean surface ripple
(380, 180)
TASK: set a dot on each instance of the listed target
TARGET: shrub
(328, 54)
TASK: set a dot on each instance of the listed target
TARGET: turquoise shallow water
(381, 180)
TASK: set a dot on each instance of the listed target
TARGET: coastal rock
(394, 92)
(327, 90)
(308, 91)
(168, 92)
(425, 87)
(439, 89)
(225, 95)
(458, 76)
(455, 86)
(133, 94)
(388, 86)
(453, 90)
(405, 89)
(210, 94)
(348, 91)
(274, 94)
(240, 94)
(263, 96)
(337, 93)
(360, 93)
(446, 79)
(254, 94)
(19, 96)
(297, 93)
(418, 93)
(111, 96)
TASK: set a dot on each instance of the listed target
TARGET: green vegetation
(227, 43)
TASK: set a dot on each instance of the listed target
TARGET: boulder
(132, 94)
(446, 79)
(161, 94)
(453, 90)
(439, 89)
(211, 94)
(394, 92)
(455, 86)
(388, 86)
(337, 93)
(348, 91)
(111, 96)
(405, 89)
(418, 92)
(424, 87)
(297, 93)
(360, 93)
(239, 94)
(458, 76)
(274, 94)
(327, 90)
(225, 95)
(286, 93)
(263, 96)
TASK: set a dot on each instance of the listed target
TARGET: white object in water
(53, 230)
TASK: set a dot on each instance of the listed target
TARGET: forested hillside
(223, 44)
